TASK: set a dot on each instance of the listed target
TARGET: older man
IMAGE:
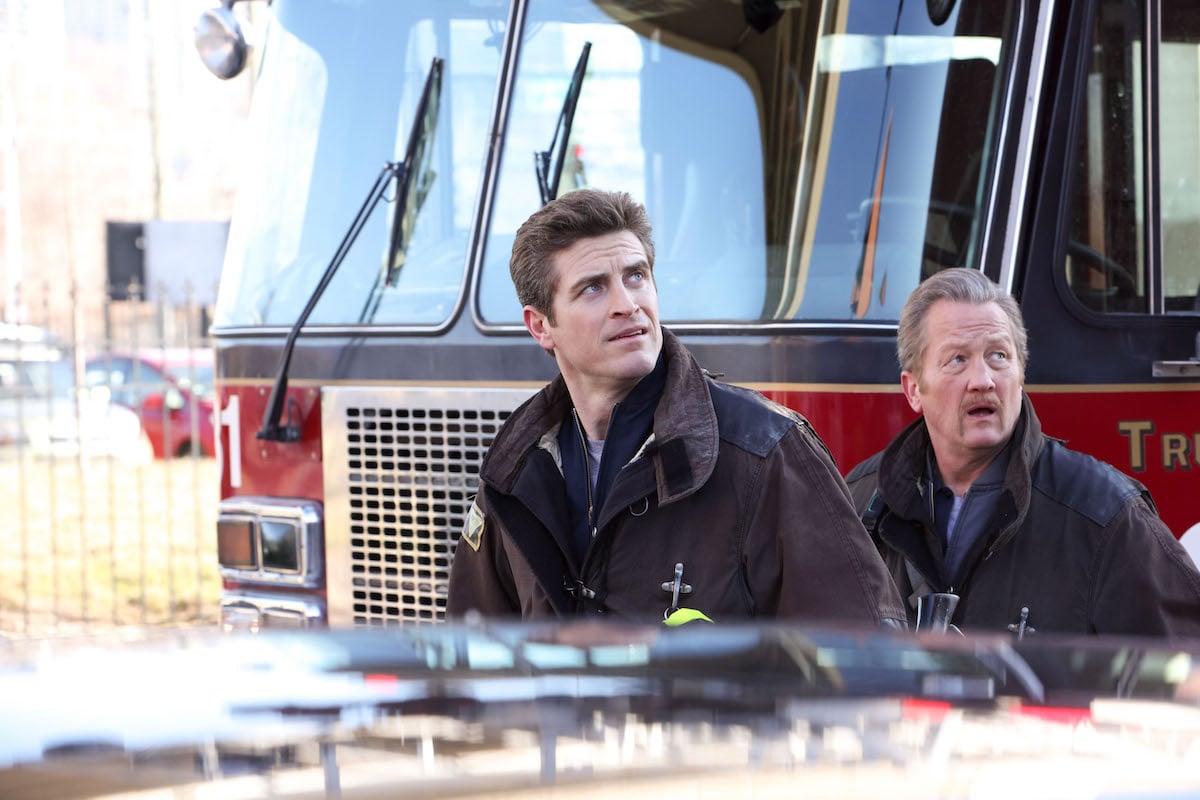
(974, 500)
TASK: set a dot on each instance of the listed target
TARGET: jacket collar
(685, 439)
(903, 482)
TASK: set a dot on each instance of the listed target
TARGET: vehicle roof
(24, 332)
(23, 342)
(169, 357)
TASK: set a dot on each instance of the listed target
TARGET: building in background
(106, 115)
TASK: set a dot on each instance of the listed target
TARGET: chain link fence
(108, 479)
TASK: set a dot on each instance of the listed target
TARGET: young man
(634, 484)
(973, 499)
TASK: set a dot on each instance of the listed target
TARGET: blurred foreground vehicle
(171, 391)
(594, 710)
(44, 414)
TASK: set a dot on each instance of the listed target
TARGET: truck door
(1111, 285)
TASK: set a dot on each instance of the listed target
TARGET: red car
(170, 389)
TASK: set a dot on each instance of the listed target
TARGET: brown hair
(580, 214)
(959, 285)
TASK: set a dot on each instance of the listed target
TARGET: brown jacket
(738, 489)
(1075, 545)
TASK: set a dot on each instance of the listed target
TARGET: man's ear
(539, 328)
(912, 392)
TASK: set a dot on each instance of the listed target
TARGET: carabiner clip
(676, 587)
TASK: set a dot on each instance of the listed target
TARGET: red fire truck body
(805, 165)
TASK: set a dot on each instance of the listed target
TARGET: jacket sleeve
(807, 553)
(1146, 583)
(480, 576)
(862, 481)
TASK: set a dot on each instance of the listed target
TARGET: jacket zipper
(587, 477)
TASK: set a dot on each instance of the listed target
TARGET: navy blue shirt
(975, 515)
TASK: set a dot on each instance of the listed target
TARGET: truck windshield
(800, 161)
(334, 100)
(807, 163)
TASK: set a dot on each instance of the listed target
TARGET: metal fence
(108, 484)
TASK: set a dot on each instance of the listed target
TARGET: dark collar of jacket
(685, 440)
(905, 487)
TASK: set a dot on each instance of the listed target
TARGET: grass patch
(96, 543)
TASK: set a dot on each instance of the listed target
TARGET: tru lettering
(1177, 450)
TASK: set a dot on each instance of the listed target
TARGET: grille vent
(411, 470)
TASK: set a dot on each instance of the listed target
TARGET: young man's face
(969, 386)
(605, 335)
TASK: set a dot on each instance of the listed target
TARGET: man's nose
(979, 375)
(623, 301)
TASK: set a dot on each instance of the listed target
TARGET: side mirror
(169, 400)
(220, 42)
(173, 399)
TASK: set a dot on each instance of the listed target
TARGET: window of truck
(813, 170)
(334, 103)
(1125, 165)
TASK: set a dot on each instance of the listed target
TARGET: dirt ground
(94, 544)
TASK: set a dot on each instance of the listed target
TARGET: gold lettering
(1137, 431)
(1175, 451)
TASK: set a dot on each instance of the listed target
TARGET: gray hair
(959, 285)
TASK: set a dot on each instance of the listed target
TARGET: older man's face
(969, 386)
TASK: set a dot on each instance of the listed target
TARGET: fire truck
(805, 163)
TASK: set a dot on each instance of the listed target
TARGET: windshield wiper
(272, 430)
(415, 181)
(549, 171)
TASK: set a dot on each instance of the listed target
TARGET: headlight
(281, 544)
(270, 539)
(236, 548)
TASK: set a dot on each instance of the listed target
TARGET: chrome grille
(401, 470)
